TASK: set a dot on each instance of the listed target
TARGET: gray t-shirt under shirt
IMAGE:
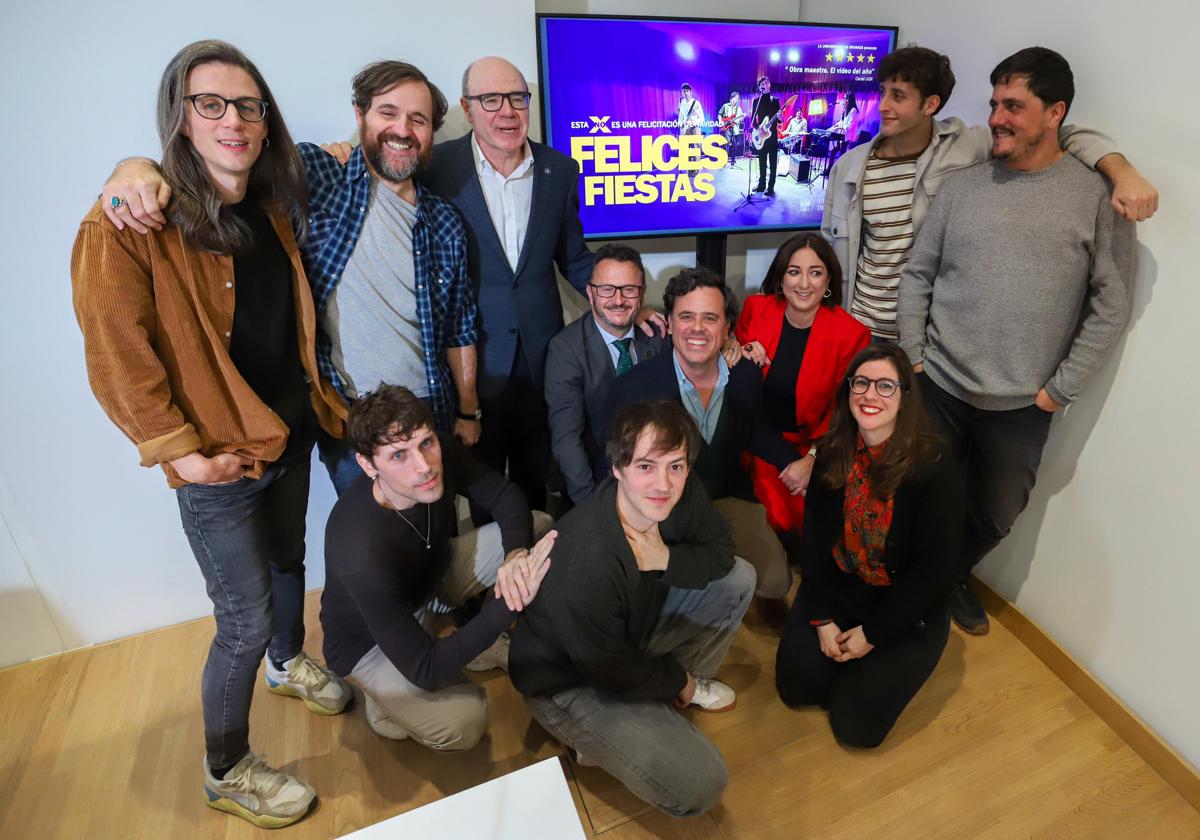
(372, 314)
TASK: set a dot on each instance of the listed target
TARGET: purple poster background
(613, 85)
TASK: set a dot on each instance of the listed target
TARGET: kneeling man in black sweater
(636, 615)
(392, 560)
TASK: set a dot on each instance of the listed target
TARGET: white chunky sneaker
(713, 696)
(380, 723)
(258, 793)
(321, 690)
(495, 656)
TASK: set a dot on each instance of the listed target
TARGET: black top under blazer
(921, 554)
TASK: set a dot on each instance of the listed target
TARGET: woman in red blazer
(798, 333)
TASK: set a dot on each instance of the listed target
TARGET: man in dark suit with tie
(520, 202)
(584, 361)
(726, 403)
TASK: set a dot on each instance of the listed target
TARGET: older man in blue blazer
(584, 361)
(520, 202)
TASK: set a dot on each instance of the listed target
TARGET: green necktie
(624, 357)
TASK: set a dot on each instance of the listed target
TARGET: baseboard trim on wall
(1156, 752)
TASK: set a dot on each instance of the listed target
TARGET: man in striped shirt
(879, 192)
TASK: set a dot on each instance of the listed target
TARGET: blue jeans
(651, 748)
(338, 457)
(248, 539)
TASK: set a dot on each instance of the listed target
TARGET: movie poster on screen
(660, 116)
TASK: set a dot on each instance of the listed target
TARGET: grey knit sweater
(1017, 281)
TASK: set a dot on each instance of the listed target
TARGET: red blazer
(834, 340)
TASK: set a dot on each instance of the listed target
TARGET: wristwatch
(475, 415)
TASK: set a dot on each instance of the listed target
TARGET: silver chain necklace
(428, 518)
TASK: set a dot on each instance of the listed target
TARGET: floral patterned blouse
(867, 520)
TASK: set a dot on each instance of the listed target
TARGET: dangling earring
(266, 142)
(828, 293)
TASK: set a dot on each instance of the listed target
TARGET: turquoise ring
(115, 202)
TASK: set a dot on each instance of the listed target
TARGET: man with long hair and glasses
(199, 341)
(387, 259)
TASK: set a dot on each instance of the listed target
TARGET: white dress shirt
(508, 200)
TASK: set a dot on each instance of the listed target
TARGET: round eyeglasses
(883, 387)
(606, 290)
(211, 106)
(518, 99)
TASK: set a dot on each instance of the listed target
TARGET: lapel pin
(546, 170)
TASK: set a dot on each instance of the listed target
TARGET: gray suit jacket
(579, 377)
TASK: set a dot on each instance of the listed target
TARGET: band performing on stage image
(710, 128)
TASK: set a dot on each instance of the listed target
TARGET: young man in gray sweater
(1019, 285)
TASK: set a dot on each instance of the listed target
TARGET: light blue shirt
(612, 347)
(706, 418)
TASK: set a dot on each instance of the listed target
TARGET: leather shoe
(966, 610)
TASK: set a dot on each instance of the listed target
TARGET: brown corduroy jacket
(157, 315)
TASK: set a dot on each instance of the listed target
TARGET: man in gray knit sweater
(1018, 286)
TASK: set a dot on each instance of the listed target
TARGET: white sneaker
(713, 696)
(258, 793)
(380, 723)
(495, 656)
(321, 690)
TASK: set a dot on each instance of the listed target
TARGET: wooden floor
(106, 742)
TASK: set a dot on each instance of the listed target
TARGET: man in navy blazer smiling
(726, 403)
(520, 202)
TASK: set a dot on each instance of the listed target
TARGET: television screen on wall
(660, 114)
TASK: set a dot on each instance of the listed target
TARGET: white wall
(1105, 558)
(90, 543)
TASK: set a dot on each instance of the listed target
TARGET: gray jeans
(655, 751)
(455, 717)
(248, 539)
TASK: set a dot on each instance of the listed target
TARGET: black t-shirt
(378, 572)
(779, 387)
(265, 344)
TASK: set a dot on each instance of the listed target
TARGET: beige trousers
(755, 541)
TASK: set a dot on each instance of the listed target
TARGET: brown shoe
(773, 612)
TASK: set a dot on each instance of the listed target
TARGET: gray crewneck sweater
(1018, 281)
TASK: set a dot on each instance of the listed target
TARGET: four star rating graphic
(851, 58)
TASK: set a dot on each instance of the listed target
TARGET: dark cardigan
(594, 613)
(920, 556)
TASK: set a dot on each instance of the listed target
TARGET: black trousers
(515, 437)
(768, 154)
(864, 696)
(1001, 452)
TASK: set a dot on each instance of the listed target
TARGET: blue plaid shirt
(338, 200)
